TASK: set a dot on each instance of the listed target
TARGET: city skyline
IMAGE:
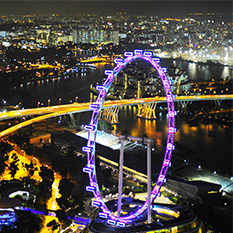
(107, 100)
(159, 8)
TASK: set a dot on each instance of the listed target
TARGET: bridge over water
(146, 106)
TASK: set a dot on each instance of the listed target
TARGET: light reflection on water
(226, 72)
(198, 72)
(192, 70)
(216, 149)
(68, 88)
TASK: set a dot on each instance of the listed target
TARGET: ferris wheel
(111, 218)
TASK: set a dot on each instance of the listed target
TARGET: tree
(104, 125)
(44, 187)
(31, 168)
(63, 203)
(5, 148)
(47, 176)
(66, 187)
(28, 222)
(61, 215)
(23, 140)
(54, 224)
(13, 168)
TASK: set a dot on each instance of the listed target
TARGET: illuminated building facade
(7, 216)
(84, 35)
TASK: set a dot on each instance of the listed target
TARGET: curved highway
(53, 111)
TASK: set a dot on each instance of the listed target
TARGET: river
(214, 150)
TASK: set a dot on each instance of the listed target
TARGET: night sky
(160, 8)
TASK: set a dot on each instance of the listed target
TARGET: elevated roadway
(44, 113)
(96, 59)
(82, 107)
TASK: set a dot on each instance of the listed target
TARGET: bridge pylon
(217, 102)
(110, 114)
(147, 110)
(72, 119)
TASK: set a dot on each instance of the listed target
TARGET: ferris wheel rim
(90, 148)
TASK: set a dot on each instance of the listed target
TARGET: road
(53, 111)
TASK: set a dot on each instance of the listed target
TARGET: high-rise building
(84, 35)
(114, 37)
(2, 34)
(43, 36)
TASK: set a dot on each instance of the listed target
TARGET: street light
(38, 104)
(76, 99)
(48, 102)
(59, 101)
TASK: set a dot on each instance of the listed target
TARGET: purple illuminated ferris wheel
(112, 219)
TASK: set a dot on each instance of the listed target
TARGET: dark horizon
(178, 9)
